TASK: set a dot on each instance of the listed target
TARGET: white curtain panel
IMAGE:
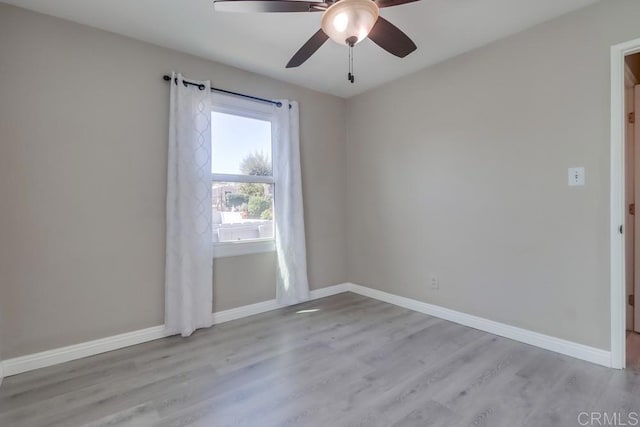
(189, 257)
(292, 282)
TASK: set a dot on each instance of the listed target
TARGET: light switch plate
(576, 177)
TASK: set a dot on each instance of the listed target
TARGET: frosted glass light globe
(349, 20)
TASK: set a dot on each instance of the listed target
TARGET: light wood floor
(354, 361)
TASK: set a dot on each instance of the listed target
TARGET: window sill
(229, 249)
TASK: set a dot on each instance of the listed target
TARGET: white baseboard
(244, 311)
(90, 348)
(65, 354)
(78, 351)
(558, 345)
(264, 306)
(329, 290)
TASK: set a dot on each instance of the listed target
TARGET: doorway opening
(624, 195)
(632, 221)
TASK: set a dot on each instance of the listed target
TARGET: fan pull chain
(351, 41)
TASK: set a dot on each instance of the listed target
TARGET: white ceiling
(263, 43)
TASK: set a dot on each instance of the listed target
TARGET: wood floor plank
(430, 414)
(344, 360)
(137, 416)
(485, 375)
(509, 401)
(580, 389)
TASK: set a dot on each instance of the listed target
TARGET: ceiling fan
(346, 22)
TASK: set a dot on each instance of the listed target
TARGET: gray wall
(460, 170)
(83, 136)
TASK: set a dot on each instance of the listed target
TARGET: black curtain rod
(228, 92)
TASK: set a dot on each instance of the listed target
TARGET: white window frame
(253, 110)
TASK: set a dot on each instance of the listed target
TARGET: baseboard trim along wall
(262, 307)
(78, 351)
(65, 354)
(90, 348)
(558, 345)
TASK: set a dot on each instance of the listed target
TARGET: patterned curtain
(189, 257)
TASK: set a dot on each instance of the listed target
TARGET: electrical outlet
(576, 177)
(435, 283)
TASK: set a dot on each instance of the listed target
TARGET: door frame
(617, 201)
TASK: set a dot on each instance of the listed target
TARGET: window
(242, 177)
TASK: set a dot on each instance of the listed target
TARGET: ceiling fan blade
(308, 49)
(391, 38)
(389, 3)
(260, 6)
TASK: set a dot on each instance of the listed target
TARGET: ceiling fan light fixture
(349, 20)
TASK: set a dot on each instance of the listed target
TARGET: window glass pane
(242, 211)
(240, 145)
